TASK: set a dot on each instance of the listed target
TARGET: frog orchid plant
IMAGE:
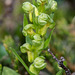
(36, 30)
(40, 15)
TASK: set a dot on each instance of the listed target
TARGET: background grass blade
(20, 59)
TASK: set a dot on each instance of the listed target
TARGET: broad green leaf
(25, 21)
(8, 71)
(48, 39)
(20, 59)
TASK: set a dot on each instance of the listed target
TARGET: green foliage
(60, 72)
(34, 32)
(8, 71)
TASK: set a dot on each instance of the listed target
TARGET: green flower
(37, 40)
(39, 63)
(44, 19)
(40, 2)
(54, 5)
(28, 29)
(27, 7)
(34, 70)
(25, 47)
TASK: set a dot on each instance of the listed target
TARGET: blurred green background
(62, 41)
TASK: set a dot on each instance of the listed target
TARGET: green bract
(39, 62)
(27, 7)
(40, 2)
(25, 47)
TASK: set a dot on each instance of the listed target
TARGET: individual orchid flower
(39, 63)
(28, 29)
(28, 8)
(42, 19)
(25, 47)
(34, 70)
(36, 40)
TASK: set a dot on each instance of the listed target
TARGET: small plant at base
(36, 31)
